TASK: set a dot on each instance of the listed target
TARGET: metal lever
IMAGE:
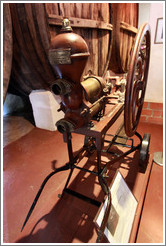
(66, 167)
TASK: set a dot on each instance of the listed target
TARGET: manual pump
(93, 105)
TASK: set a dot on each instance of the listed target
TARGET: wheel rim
(137, 80)
(144, 150)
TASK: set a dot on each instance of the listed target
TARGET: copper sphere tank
(68, 56)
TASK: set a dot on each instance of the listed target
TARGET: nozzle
(61, 87)
(63, 125)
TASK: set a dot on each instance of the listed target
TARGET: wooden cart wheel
(137, 79)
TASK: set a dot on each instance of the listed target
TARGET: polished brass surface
(66, 25)
(93, 88)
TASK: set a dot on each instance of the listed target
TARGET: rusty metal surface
(60, 56)
(68, 57)
(113, 111)
(80, 101)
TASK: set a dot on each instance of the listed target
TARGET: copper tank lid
(68, 53)
(67, 39)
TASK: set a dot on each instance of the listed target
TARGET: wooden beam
(79, 22)
(128, 27)
(87, 23)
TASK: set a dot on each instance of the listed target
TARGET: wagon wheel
(144, 151)
(137, 79)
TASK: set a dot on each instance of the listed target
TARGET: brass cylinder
(93, 88)
(95, 109)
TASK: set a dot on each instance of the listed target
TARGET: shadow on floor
(71, 219)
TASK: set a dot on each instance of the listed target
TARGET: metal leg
(66, 167)
(106, 214)
(100, 173)
(99, 161)
(70, 149)
(69, 165)
(71, 159)
(67, 182)
(106, 190)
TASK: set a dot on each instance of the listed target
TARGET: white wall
(149, 12)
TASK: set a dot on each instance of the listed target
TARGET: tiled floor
(31, 158)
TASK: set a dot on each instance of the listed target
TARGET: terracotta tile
(143, 118)
(157, 106)
(147, 112)
(146, 105)
(157, 113)
(155, 120)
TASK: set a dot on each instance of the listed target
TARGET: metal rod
(139, 136)
(66, 167)
(100, 99)
(70, 149)
(68, 179)
(124, 154)
(114, 137)
(85, 170)
(111, 143)
(98, 161)
(111, 135)
(117, 143)
(109, 152)
(124, 145)
(107, 210)
(82, 197)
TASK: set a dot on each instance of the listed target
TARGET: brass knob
(66, 25)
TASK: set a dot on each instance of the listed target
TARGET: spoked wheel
(144, 151)
(137, 80)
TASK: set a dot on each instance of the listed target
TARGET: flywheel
(137, 79)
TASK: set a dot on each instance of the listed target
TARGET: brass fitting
(66, 26)
(93, 88)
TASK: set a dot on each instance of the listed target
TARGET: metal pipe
(61, 87)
